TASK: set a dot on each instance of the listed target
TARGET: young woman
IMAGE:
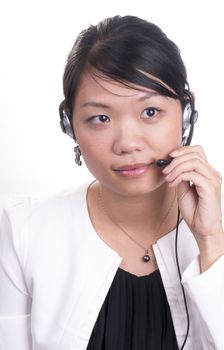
(134, 260)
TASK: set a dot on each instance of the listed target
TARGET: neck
(137, 211)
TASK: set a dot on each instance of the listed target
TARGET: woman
(135, 259)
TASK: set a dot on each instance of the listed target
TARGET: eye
(99, 119)
(150, 112)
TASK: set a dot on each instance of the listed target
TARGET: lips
(132, 170)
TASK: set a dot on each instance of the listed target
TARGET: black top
(134, 316)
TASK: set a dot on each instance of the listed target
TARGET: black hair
(124, 48)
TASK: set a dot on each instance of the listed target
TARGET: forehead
(95, 85)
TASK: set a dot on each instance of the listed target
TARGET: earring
(184, 140)
(78, 155)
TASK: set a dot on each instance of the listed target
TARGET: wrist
(211, 248)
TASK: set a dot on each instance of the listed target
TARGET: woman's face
(122, 132)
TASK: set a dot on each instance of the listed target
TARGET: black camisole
(134, 316)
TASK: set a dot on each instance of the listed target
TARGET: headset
(66, 121)
(190, 116)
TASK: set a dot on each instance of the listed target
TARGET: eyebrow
(102, 105)
(94, 104)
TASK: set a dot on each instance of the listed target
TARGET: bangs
(128, 66)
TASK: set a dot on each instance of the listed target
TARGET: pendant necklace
(146, 257)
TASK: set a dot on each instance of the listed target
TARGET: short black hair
(124, 48)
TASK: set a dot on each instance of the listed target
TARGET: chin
(135, 187)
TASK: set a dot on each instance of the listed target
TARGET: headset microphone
(163, 162)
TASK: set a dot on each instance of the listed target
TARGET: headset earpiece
(65, 123)
(190, 116)
(187, 116)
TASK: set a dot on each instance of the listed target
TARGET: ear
(187, 97)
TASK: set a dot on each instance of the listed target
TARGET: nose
(129, 138)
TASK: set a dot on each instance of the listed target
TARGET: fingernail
(166, 170)
(174, 154)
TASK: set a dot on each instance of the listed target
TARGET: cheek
(174, 134)
(95, 152)
(169, 136)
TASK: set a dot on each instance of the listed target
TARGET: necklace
(146, 257)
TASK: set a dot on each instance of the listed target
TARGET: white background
(35, 38)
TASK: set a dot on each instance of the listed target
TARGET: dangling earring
(78, 155)
(184, 140)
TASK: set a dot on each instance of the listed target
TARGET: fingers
(199, 190)
(189, 149)
(190, 164)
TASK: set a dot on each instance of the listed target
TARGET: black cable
(179, 273)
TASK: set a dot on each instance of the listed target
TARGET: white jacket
(55, 272)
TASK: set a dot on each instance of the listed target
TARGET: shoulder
(32, 219)
(29, 208)
(38, 230)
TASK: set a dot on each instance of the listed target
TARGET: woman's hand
(199, 195)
